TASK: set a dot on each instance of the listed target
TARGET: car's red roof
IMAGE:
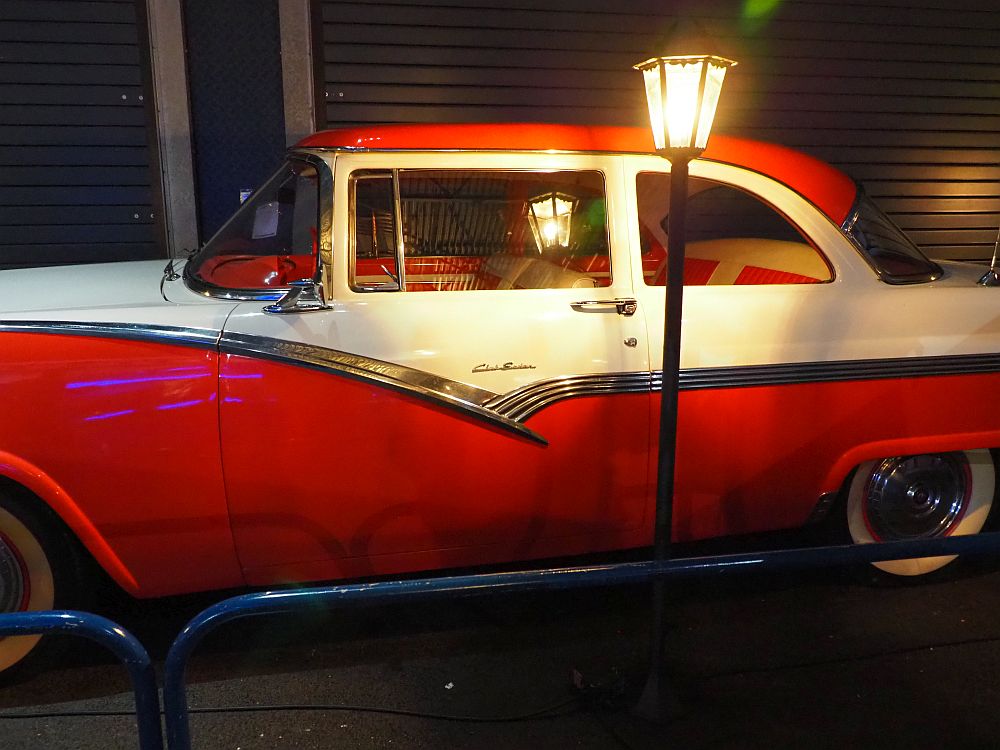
(827, 187)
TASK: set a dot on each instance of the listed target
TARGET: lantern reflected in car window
(551, 217)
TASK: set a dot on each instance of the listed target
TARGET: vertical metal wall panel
(297, 68)
(74, 161)
(237, 109)
(166, 84)
(902, 94)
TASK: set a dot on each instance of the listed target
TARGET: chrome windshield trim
(206, 338)
(450, 393)
(324, 236)
(205, 289)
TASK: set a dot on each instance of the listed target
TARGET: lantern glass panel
(683, 81)
(710, 100)
(654, 100)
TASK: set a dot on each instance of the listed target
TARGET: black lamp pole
(674, 303)
(657, 703)
(687, 50)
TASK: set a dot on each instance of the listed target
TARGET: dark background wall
(75, 178)
(237, 111)
(902, 94)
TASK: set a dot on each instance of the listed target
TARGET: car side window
(451, 230)
(733, 238)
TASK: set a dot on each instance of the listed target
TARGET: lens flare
(759, 9)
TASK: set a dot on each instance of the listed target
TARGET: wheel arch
(20, 475)
(842, 470)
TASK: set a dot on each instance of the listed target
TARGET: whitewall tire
(920, 497)
(28, 573)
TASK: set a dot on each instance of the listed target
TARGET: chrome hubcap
(917, 497)
(12, 578)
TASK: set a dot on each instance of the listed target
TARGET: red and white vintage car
(419, 347)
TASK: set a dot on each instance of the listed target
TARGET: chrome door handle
(621, 305)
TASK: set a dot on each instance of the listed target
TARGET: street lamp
(683, 84)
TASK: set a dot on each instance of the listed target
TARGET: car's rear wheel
(920, 497)
(37, 570)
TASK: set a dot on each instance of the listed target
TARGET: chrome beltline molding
(743, 376)
(509, 411)
(523, 402)
(352, 364)
(206, 338)
(465, 398)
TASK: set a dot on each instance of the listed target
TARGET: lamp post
(683, 84)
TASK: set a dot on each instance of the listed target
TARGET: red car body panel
(124, 396)
(367, 499)
(134, 469)
(827, 429)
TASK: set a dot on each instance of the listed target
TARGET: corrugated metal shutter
(902, 94)
(74, 162)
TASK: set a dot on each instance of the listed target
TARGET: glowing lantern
(682, 91)
(551, 219)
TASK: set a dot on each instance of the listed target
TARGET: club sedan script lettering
(505, 366)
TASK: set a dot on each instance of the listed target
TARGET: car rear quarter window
(733, 238)
(889, 251)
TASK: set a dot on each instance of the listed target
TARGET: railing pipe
(275, 602)
(114, 638)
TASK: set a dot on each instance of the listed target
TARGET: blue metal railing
(275, 602)
(130, 652)
(114, 638)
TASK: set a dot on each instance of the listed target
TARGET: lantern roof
(828, 188)
(684, 40)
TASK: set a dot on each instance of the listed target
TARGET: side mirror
(305, 295)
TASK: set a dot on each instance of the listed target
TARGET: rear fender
(906, 447)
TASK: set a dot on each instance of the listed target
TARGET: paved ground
(788, 661)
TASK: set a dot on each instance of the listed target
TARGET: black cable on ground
(549, 712)
(848, 659)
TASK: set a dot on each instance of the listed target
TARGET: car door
(477, 391)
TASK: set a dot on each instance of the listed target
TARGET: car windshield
(270, 241)
(891, 253)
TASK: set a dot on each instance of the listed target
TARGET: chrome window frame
(352, 224)
(324, 236)
(394, 174)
